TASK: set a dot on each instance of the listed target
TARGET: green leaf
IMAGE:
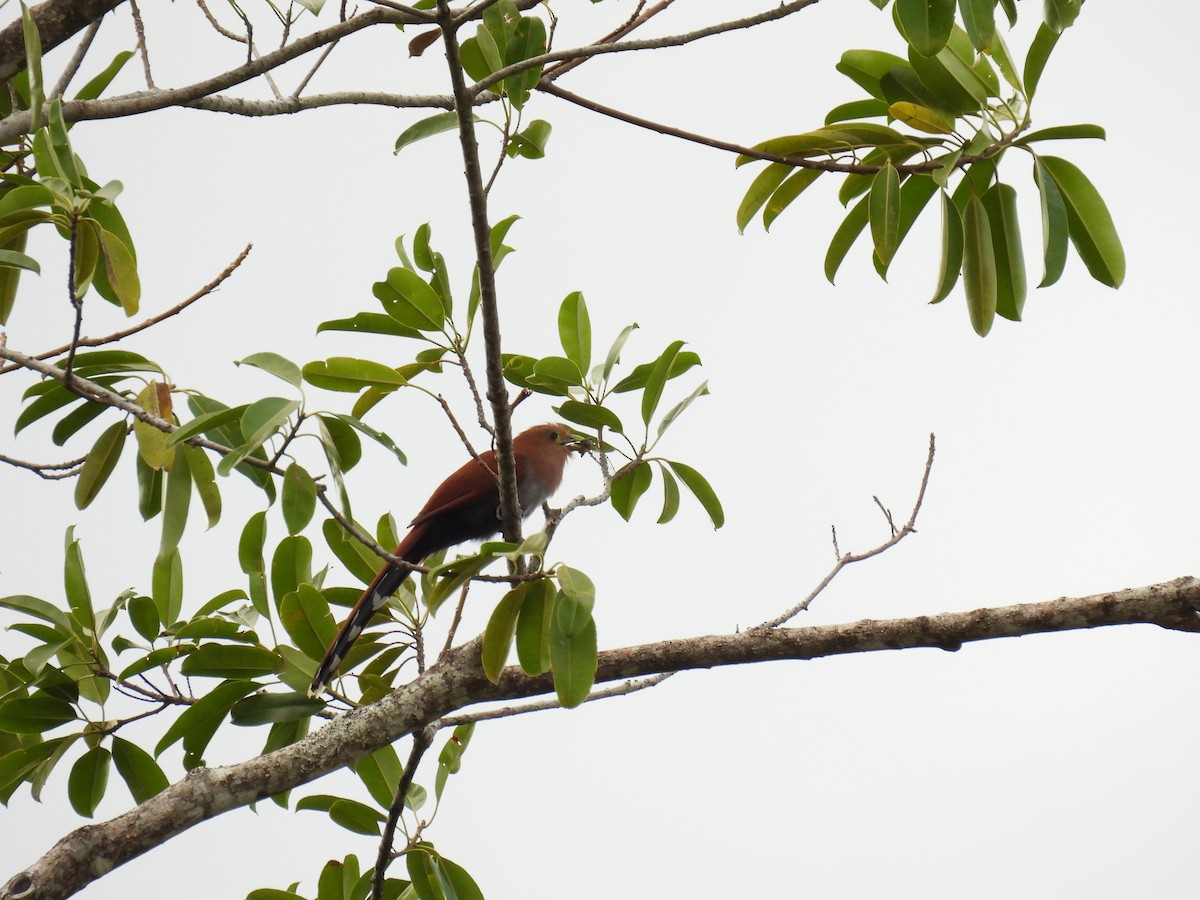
(408, 299)
(657, 379)
(528, 40)
(1063, 133)
(921, 117)
(205, 480)
(167, 586)
(952, 250)
(530, 143)
(261, 420)
(1060, 14)
(533, 627)
(979, 20)
(856, 109)
(573, 662)
(230, 661)
(299, 498)
(138, 769)
(453, 576)
(614, 352)
(304, 614)
(883, 212)
(369, 323)
(144, 616)
(199, 722)
(925, 24)
(88, 781)
(16, 260)
(575, 329)
(701, 490)
(979, 267)
(845, 236)
(153, 443)
(628, 489)
(1090, 225)
(273, 364)
(206, 423)
(792, 188)
(79, 598)
(10, 277)
(96, 86)
(100, 463)
(250, 545)
(427, 127)
(120, 269)
(1054, 225)
(291, 566)
(501, 628)
(349, 375)
(1039, 54)
(38, 608)
(34, 715)
(264, 709)
(176, 502)
(670, 496)
(1000, 201)
(33, 66)
(763, 186)
(867, 67)
(589, 415)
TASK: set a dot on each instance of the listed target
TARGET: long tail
(385, 583)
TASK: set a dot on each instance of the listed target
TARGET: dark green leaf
(305, 616)
(263, 709)
(628, 489)
(670, 496)
(866, 67)
(575, 329)
(528, 40)
(1064, 133)
(1091, 226)
(589, 415)
(952, 249)
(100, 463)
(883, 212)
(791, 188)
(661, 371)
(925, 24)
(573, 661)
(176, 501)
(427, 127)
(845, 236)
(88, 781)
(144, 616)
(34, 715)
(533, 627)
(408, 299)
(349, 375)
(702, 491)
(763, 186)
(291, 566)
(274, 364)
(1000, 201)
(1054, 225)
(138, 769)
(1039, 54)
(501, 628)
(299, 498)
(979, 267)
(199, 722)
(979, 20)
(232, 661)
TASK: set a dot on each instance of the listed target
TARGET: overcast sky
(1051, 766)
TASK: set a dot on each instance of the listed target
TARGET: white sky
(1044, 767)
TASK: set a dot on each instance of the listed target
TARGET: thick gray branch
(457, 681)
(57, 21)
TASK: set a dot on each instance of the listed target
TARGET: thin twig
(848, 559)
(462, 435)
(140, 29)
(457, 620)
(631, 686)
(313, 71)
(75, 297)
(422, 739)
(221, 29)
(636, 19)
(142, 326)
(76, 60)
(49, 471)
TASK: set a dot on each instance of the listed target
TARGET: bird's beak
(578, 443)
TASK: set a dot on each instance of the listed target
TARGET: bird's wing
(469, 485)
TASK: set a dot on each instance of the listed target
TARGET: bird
(466, 506)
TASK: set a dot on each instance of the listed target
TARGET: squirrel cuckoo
(465, 506)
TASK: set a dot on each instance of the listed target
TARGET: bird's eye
(553, 435)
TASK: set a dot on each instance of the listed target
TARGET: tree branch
(497, 392)
(457, 680)
(56, 21)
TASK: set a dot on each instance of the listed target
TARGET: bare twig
(422, 739)
(636, 19)
(72, 295)
(49, 471)
(142, 326)
(675, 40)
(457, 620)
(850, 558)
(72, 67)
(140, 29)
(220, 29)
(631, 686)
(324, 55)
